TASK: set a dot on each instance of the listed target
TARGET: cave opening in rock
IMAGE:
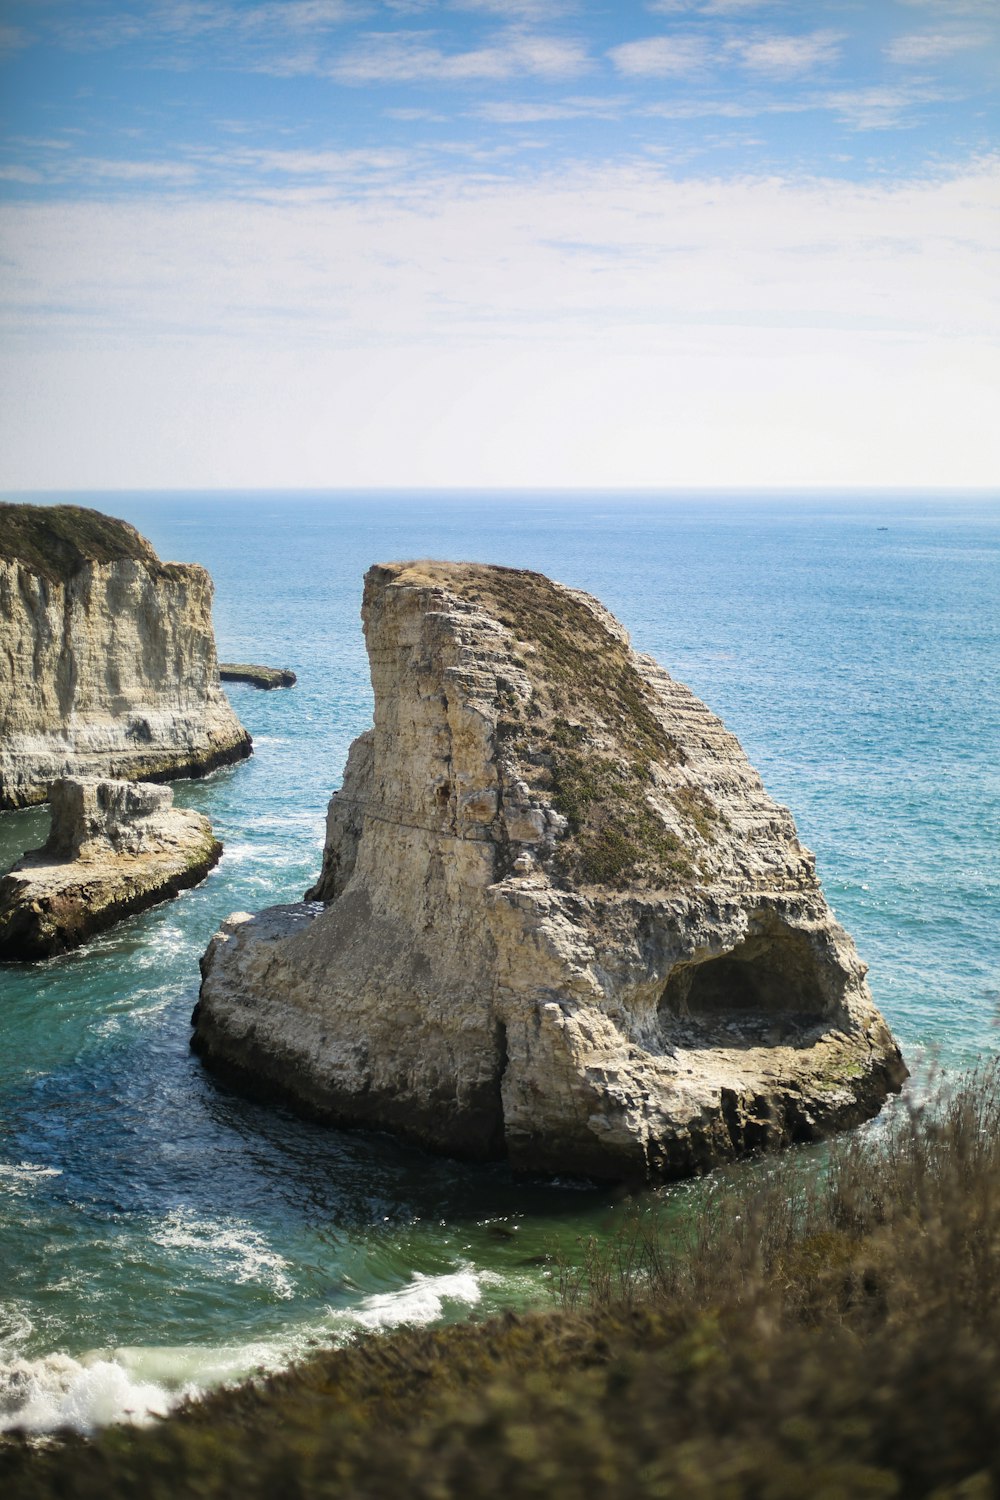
(774, 972)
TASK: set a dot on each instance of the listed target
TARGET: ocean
(159, 1234)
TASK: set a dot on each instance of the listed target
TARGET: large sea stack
(559, 918)
(109, 665)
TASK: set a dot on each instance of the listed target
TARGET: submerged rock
(559, 918)
(115, 847)
(258, 677)
(111, 657)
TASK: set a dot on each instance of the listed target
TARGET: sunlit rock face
(559, 918)
(109, 657)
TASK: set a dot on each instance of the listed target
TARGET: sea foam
(138, 1384)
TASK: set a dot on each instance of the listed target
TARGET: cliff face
(110, 665)
(563, 919)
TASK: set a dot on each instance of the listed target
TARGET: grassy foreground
(836, 1338)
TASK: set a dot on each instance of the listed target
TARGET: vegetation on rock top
(55, 541)
(597, 719)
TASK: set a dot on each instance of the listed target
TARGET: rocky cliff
(559, 917)
(109, 664)
(114, 848)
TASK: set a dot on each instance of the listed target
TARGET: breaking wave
(137, 1385)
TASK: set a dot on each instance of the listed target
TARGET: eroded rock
(110, 657)
(114, 848)
(559, 918)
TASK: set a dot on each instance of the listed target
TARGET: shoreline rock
(113, 670)
(258, 677)
(559, 918)
(115, 848)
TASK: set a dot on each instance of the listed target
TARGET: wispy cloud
(785, 56)
(20, 174)
(329, 165)
(180, 21)
(661, 56)
(600, 316)
(922, 47)
(950, 8)
(408, 57)
(513, 112)
(544, 11)
(14, 39)
(136, 171)
(708, 7)
(882, 107)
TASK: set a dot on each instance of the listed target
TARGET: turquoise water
(158, 1233)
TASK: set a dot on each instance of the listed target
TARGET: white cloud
(787, 56)
(931, 46)
(727, 108)
(661, 56)
(512, 112)
(955, 7)
(20, 174)
(177, 21)
(596, 327)
(328, 165)
(133, 171)
(707, 7)
(13, 39)
(523, 10)
(883, 107)
(407, 57)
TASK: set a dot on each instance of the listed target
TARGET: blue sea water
(157, 1232)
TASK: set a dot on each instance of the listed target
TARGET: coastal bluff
(559, 918)
(110, 657)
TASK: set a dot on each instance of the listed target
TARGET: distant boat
(881, 528)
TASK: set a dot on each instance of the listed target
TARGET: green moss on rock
(56, 541)
(596, 718)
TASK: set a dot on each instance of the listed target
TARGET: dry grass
(823, 1332)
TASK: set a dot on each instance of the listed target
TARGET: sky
(499, 243)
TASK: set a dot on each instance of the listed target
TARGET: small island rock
(115, 847)
(559, 918)
(258, 677)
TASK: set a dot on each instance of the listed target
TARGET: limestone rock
(110, 657)
(559, 917)
(115, 847)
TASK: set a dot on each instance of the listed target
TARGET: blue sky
(476, 242)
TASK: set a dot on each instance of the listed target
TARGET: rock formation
(110, 665)
(258, 677)
(559, 918)
(115, 847)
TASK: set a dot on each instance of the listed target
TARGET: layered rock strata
(114, 848)
(559, 918)
(109, 657)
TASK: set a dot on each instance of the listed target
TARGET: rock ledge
(115, 847)
(258, 677)
(559, 917)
